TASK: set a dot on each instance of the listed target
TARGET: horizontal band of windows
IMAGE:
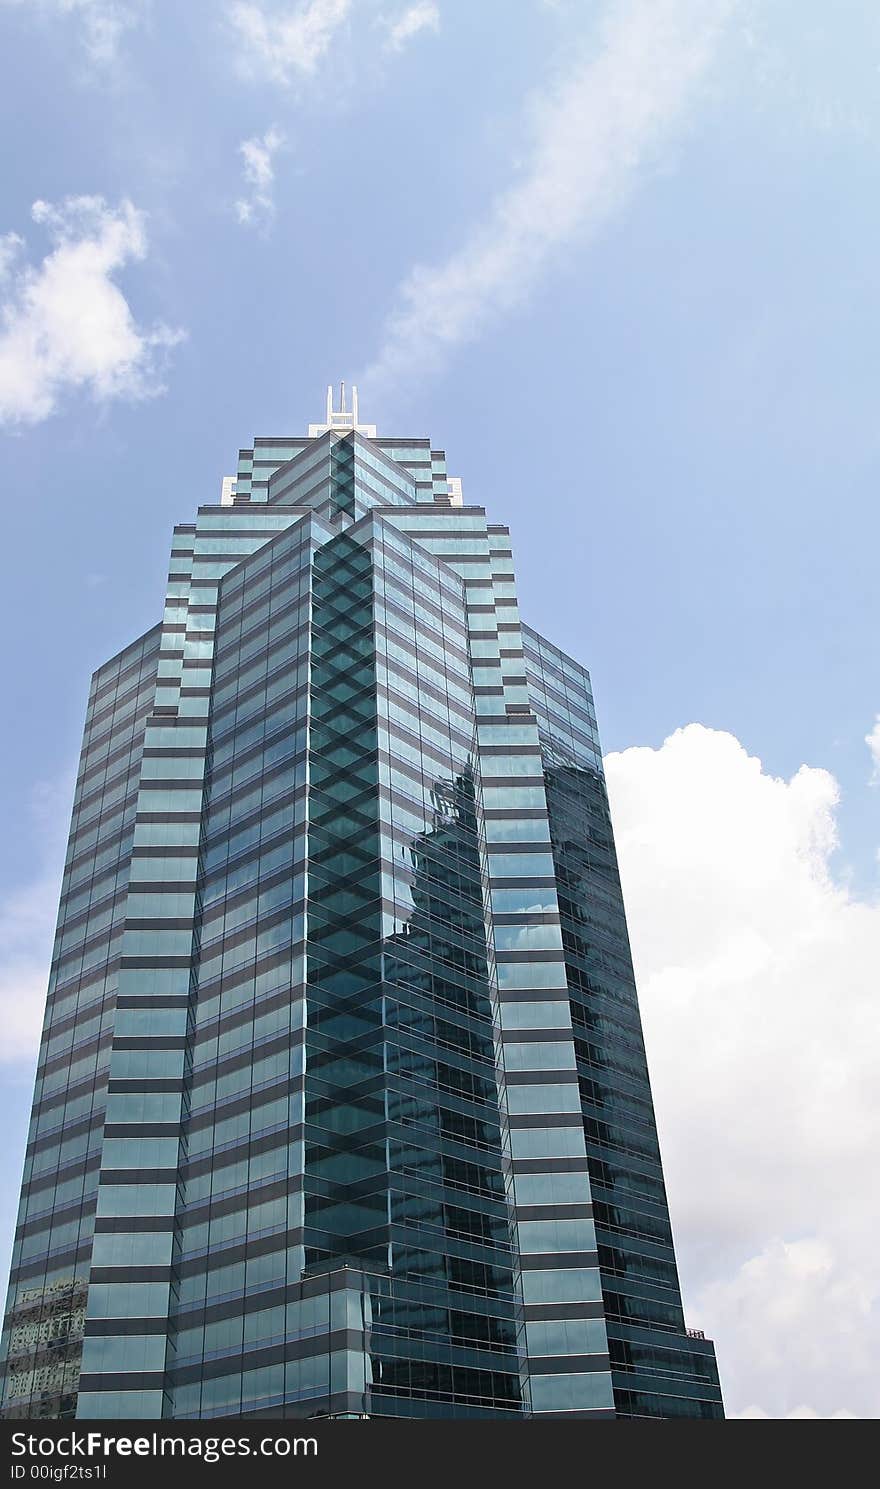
(596, 1018)
(247, 976)
(112, 677)
(598, 1036)
(36, 1190)
(248, 1012)
(113, 713)
(572, 702)
(636, 1161)
(618, 1095)
(244, 1147)
(267, 664)
(257, 1355)
(144, 963)
(409, 696)
(235, 936)
(283, 740)
(147, 1086)
(537, 1036)
(98, 949)
(92, 1044)
(272, 829)
(567, 1364)
(115, 691)
(133, 1225)
(240, 1198)
(224, 1108)
(166, 818)
(563, 1164)
(85, 998)
(35, 1222)
(101, 820)
(554, 1212)
(258, 708)
(639, 1248)
(557, 1261)
(409, 733)
(86, 1128)
(96, 776)
(506, 957)
(102, 1328)
(135, 1001)
(441, 652)
(104, 802)
(93, 1084)
(165, 1129)
(422, 695)
(216, 1258)
(550, 1312)
(132, 1273)
(61, 1257)
(231, 1060)
(287, 775)
(401, 622)
(265, 620)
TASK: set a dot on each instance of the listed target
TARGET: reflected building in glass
(342, 1106)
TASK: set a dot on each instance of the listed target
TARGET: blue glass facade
(342, 1106)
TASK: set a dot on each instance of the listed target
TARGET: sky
(619, 258)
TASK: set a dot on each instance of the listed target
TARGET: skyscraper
(342, 1105)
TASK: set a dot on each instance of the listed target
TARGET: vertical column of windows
(137, 1197)
(452, 1261)
(48, 1283)
(346, 1185)
(656, 1369)
(567, 1352)
(238, 1236)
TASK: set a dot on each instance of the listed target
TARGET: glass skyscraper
(342, 1106)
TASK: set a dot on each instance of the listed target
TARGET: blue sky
(620, 260)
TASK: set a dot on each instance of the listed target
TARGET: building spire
(342, 418)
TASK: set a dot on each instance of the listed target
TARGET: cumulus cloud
(286, 42)
(423, 16)
(257, 208)
(592, 132)
(102, 22)
(64, 323)
(757, 972)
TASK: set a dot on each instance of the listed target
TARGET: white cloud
(64, 323)
(258, 207)
(288, 41)
(758, 984)
(800, 1413)
(872, 740)
(103, 22)
(593, 131)
(423, 16)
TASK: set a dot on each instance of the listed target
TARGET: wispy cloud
(286, 42)
(872, 740)
(64, 323)
(102, 22)
(257, 208)
(593, 131)
(423, 16)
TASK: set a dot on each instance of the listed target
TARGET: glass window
(572, 1392)
(562, 1285)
